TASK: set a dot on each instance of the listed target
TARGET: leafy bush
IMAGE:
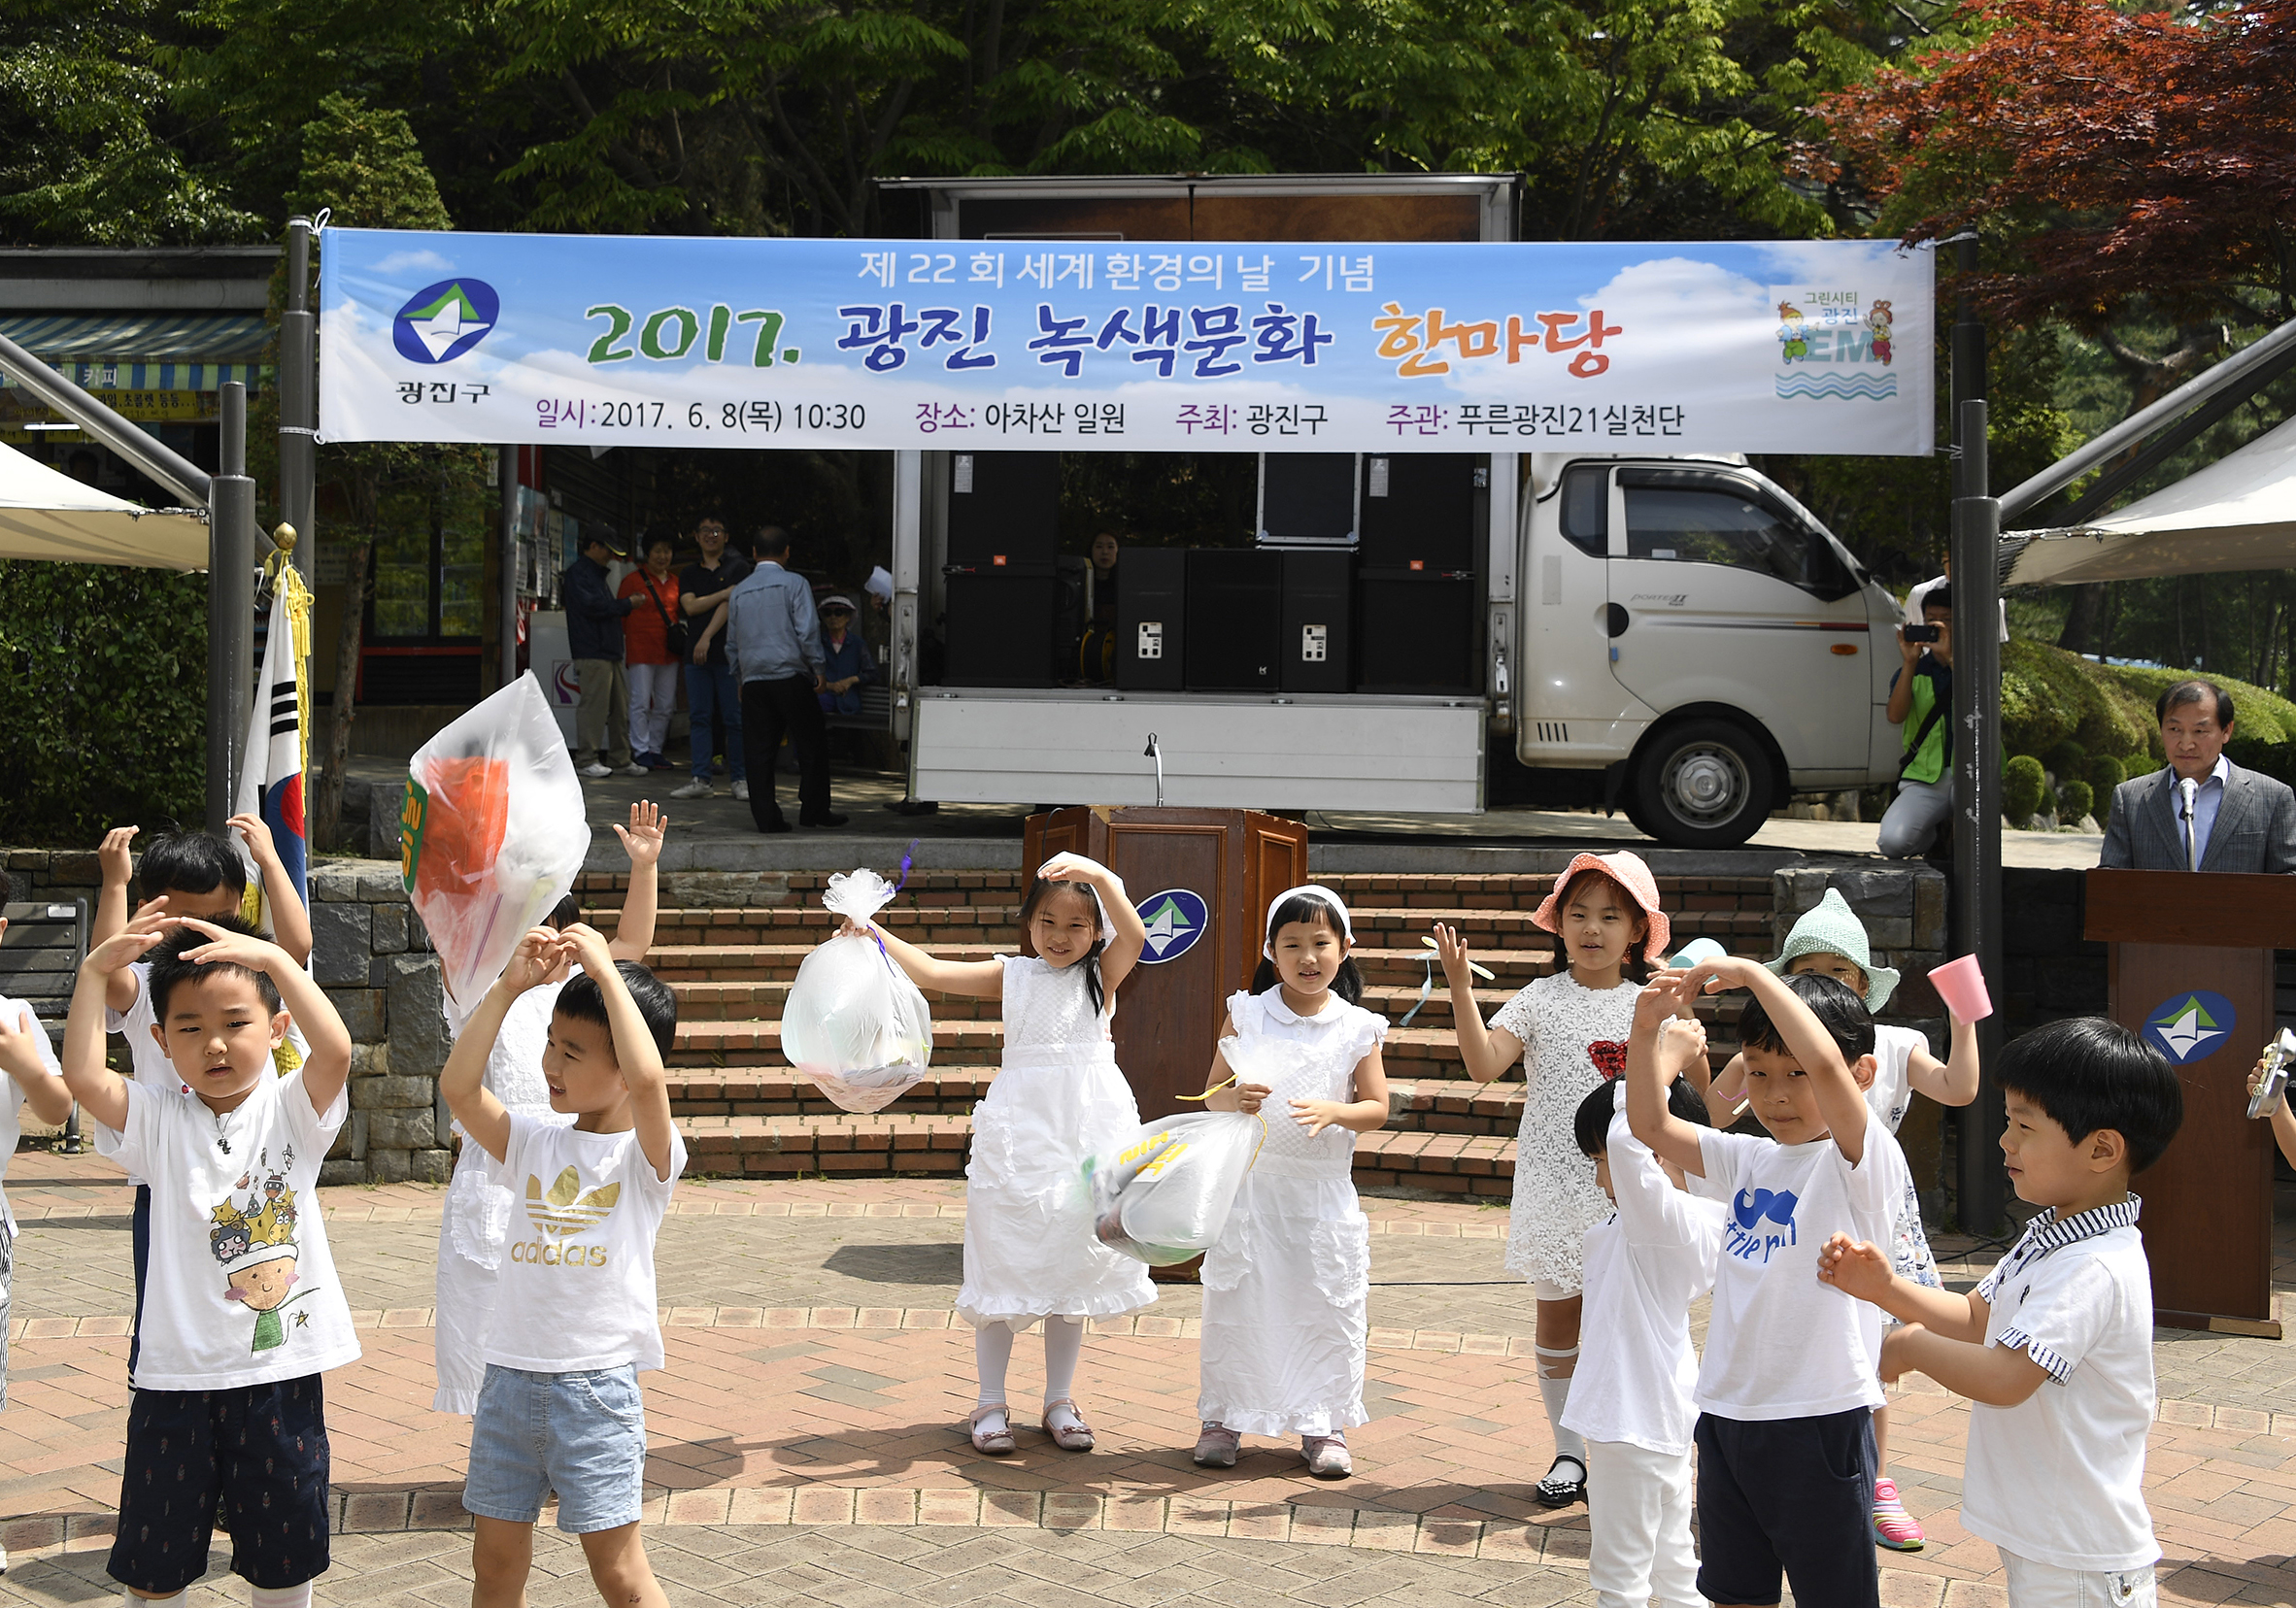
(102, 700)
(2022, 784)
(2051, 698)
(2066, 759)
(2074, 800)
(2105, 773)
(2277, 760)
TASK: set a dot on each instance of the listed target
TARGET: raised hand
(125, 948)
(587, 945)
(1451, 949)
(642, 839)
(239, 949)
(1682, 1046)
(537, 956)
(112, 858)
(257, 834)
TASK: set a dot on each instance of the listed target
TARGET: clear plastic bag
(492, 833)
(854, 1023)
(1164, 1194)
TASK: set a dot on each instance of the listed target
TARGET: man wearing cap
(593, 641)
(848, 665)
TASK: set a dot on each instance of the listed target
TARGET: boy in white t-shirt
(559, 1408)
(1829, 941)
(1787, 1385)
(2055, 1347)
(1643, 1267)
(228, 1409)
(202, 875)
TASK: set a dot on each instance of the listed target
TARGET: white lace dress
(1573, 1038)
(1286, 1291)
(474, 1223)
(1029, 1248)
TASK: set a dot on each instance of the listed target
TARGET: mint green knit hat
(1831, 927)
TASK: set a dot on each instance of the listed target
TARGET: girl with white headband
(1056, 1098)
(1286, 1291)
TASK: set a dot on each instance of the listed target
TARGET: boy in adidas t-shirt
(245, 1310)
(2055, 1348)
(1787, 1385)
(559, 1408)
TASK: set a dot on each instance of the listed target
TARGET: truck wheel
(1702, 785)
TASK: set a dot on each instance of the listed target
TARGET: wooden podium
(1168, 1010)
(2175, 935)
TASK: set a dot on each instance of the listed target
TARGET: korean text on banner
(1757, 347)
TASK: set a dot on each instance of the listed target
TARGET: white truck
(1671, 636)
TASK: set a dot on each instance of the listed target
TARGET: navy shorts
(138, 1245)
(257, 1452)
(1791, 1497)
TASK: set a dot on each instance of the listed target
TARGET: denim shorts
(580, 1435)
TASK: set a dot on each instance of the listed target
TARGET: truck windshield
(1699, 519)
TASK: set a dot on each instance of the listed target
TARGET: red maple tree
(2102, 156)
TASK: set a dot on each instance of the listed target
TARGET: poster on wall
(1087, 346)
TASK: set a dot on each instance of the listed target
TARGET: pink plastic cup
(1961, 985)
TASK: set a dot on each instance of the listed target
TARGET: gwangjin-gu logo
(1175, 920)
(2192, 1026)
(442, 321)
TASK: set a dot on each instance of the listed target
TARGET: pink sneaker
(1893, 1527)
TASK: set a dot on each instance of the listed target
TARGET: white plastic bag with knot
(1164, 1194)
(854, 1023)
(491, 835)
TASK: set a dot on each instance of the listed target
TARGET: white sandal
(992, 1443)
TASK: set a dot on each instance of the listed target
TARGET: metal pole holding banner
(508, 474)
(1977, 804)
(298, 400)
(230, 609)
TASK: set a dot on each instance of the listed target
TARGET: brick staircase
(733, 953)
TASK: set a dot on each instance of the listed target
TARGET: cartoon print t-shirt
(241, 1289)
(576, 1289)
(1780, 1344)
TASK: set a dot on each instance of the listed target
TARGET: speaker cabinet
(1307, 496)
(1317, 641)
(1004, 510)
(1234, 621)
(1419, 512)
(1001, 628)
(1415, 633)
(1151, 618)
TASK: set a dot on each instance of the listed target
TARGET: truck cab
(1689, 629)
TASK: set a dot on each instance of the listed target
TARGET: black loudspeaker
(1151, 618)
(1319, 603)
(1307, 496)
(1415, 633)
(1001, 628)
(1004, 510)
(1234, 620)
(1419, 512)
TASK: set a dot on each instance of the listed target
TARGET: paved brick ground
(803, 1440)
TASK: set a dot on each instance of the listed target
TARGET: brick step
(764, 1000)
(888, 1144)
(778, 962)
(1464, 889)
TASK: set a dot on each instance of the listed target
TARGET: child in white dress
(1286, 1291)
(1572, 1029)
(474, 1225)
(1830, 942)
(1030, 1254)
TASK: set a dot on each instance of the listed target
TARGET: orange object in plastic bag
(467, 806)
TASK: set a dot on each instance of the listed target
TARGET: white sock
(991, 1354)
(128, 1599)
(1555, 1390)
(292, 1596)
(1063, 1345)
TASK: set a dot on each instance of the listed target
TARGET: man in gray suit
(2202, 813)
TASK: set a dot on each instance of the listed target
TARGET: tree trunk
(2084, 619)
(327, 811)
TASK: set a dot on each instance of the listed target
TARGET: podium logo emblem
(1177, 919)
(2192, 1026)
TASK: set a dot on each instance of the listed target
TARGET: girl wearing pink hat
(1570, 1029)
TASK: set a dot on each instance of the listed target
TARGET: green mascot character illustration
(1793, 332)
(255, 1245)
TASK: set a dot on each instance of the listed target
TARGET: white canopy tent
(46, 514)
(2238, 514)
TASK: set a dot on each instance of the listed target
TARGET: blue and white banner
(619, 340)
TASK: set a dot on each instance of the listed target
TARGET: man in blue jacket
(773, 645)
(593, 640)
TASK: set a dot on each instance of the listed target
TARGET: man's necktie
(2191, 791)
